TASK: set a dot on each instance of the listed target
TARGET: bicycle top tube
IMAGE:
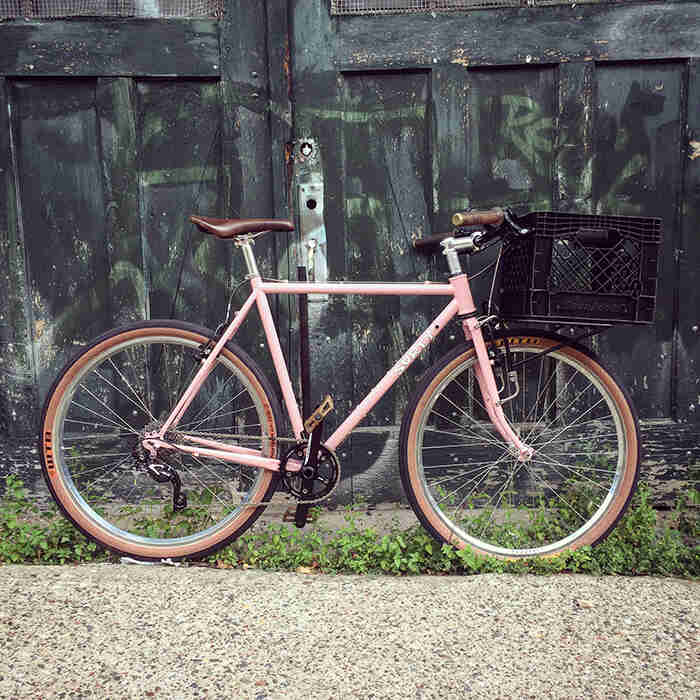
(360, 288)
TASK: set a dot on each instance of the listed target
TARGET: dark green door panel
(56, 132)
(111, 134)
(637, 171)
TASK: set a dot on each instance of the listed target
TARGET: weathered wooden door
(578, 107)
(112, 132)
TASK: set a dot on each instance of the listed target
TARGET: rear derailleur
(161, 472)
(164, 472)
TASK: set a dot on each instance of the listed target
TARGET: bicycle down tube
(461, 303)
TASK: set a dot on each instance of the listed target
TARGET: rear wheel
(126, 384)
(469, 489)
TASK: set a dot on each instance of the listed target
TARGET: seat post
(246, 244)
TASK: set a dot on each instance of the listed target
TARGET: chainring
(324, 480)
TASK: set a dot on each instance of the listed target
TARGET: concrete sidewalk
(117, 631)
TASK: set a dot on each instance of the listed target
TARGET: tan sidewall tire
(414, 486)
(89, 527)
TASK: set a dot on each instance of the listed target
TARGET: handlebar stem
(452, 246)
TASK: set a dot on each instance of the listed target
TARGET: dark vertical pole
(304, 359)
(678, 249)
(686, 360)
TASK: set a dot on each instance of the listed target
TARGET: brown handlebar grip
(493, 217)
(430, 241)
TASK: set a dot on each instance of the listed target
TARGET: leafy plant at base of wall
(636, 546)
(29, 535)
(687, 514)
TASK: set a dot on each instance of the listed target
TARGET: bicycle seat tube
(472, 330)
(245, 243)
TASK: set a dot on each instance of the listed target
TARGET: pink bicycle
(164, 439)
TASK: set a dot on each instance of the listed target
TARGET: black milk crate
(581, 269)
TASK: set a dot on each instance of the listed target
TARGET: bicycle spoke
(94, 436)
(116, 425)
(541, 392)
(466, 415)
(202, 484)
(470, 395)
(501, 492)
(124, 424)
(454, 476)
(554, 491)
(459, 488)
(449, 420)
(553, 401)
(218, 391)
(456, 464)
(584, 436)
(116, 466)
(139, 398)
(493, 466)
(139, 402)
(459, 435)
(221, 414)
(183, 383)
(83, 472)
(585, 454)
(448, 447)
(568, 427)
(554, 464)
(93, 456)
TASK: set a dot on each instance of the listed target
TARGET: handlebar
(492, 217)
(499, 224)
(430, 243)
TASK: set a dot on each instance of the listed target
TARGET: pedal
(290, 515)
(301, 516)
(319, 413)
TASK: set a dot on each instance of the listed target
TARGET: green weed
(29, 535)
(639, 545)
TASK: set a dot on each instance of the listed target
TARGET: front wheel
(468, 488)
(126, 384)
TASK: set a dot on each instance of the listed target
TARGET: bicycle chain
(288, 496)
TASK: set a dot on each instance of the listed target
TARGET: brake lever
(511, 222)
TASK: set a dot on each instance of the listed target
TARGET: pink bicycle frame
(461, 303)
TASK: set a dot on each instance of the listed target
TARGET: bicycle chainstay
(289, 496)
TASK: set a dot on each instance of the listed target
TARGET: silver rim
(490, 500)
(132, 387)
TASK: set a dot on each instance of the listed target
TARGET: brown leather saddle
(230, 228)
